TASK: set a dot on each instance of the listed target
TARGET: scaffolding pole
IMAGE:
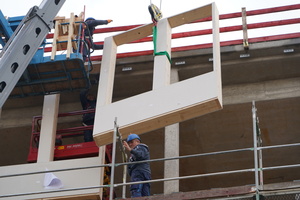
(124, 157)
(255, 150)
(151, 181)
(113, 162)
(259, 142)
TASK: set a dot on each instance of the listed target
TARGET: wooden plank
(190, 16)
(79, 18)
(133, 34)
(54, 43)
(245, 29)
(70, 35)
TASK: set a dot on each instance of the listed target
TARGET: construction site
(220, 117)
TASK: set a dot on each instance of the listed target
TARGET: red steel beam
(222, 30)
(208, 45)
(254, 12)
(208, 31)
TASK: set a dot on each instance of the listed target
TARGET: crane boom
(27, 38)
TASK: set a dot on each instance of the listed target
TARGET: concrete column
(48, 128)
(172, 150)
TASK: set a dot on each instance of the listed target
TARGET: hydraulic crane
(23, 44)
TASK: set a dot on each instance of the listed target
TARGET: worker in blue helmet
(138, 171)
(90, 26)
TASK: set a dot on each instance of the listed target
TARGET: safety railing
(258, 169)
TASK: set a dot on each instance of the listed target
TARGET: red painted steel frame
(78, 150)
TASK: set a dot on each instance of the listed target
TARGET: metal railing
(258, 169)
(227, 29)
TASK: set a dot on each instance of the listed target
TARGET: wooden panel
(161, 121)
(158, 108)
(162, 107)
(48, 128)
(33, 184)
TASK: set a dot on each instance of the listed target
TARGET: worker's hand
(126, 146)
(109, 20)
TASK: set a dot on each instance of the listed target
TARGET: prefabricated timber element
(164, 106)
(78, 178)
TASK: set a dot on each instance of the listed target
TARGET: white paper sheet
(52, 182)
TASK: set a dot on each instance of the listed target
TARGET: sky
(132, 12)
(135, 11)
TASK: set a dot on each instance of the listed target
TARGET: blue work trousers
(88, 134)
(140, 190)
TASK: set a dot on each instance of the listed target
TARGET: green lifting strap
(154, 43)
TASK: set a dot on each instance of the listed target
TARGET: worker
(90, 25)
(138, 171)
(88, 101)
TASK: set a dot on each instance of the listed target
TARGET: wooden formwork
(65, 32)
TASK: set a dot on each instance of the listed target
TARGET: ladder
(21, 47)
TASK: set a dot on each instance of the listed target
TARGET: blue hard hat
(90, 18)
(132, 137)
